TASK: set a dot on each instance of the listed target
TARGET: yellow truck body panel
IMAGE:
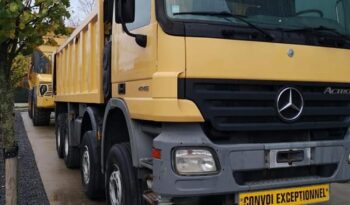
(79, 70)
(265, 61)
(79, 63)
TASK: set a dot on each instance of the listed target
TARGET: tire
(60, 129)
(30, 102)
(90, 169)
(40, 117)
(121, 175)
(71, 154)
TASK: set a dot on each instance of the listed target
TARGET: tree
(19, 69)
(23, 23)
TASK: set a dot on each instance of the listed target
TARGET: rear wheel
(121, 184)
(60, 129)
(70, 154)
(91, 176)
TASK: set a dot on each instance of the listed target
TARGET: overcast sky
(77, 16)
(74, 5)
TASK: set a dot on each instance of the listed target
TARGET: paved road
(63, 186)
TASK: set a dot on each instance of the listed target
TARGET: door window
(142, 14)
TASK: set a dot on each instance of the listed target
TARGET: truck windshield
(41, 63)
(284, 15)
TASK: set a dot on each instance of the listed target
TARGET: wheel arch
(117, 111)
(90, 121)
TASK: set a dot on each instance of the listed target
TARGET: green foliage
(19, 69)
(23, 23)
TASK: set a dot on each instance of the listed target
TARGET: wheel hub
(115, 187)
(86, 165)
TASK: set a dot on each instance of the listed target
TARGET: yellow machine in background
(40, 98)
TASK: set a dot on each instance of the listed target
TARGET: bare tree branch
(80, 12)
(86, 6)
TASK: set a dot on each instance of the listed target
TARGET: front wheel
(122, 186)
(40, 117)
(30, 102)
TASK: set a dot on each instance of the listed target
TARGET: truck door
(134, 62)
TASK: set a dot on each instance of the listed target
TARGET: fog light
(195, 162)
(43, 89)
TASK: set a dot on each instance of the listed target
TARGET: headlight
(194, 161)
(43, 89)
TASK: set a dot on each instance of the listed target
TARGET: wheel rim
(66, 150)
(115, 187)
(86, 165)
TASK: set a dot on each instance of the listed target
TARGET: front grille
(245, 111)
(271, 176)
(49, 90)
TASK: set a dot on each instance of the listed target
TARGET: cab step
(152, 198)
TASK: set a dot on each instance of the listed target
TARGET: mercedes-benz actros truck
(207, 101)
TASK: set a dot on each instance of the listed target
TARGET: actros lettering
(337, 91)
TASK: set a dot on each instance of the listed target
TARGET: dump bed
(78, 62)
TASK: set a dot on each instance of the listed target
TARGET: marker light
(156, 153)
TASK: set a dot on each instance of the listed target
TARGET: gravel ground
(30, 187)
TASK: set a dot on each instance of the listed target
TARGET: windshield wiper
(227, 14)
(318, 29)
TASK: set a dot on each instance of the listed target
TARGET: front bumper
(45, 102)
(241, 158)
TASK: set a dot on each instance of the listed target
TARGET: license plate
(289, 196)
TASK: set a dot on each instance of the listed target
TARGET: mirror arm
(140, 39)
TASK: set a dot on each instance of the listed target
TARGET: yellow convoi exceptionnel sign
(290, 196)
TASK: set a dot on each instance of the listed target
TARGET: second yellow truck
(207, 101)
(40, 98)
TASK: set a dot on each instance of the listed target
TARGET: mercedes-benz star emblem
(290, 104)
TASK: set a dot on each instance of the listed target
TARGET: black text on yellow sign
(290, 196)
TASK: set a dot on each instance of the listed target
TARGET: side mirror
(125, 11)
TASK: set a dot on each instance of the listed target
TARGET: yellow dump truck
(40, 97)
(207, 101)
